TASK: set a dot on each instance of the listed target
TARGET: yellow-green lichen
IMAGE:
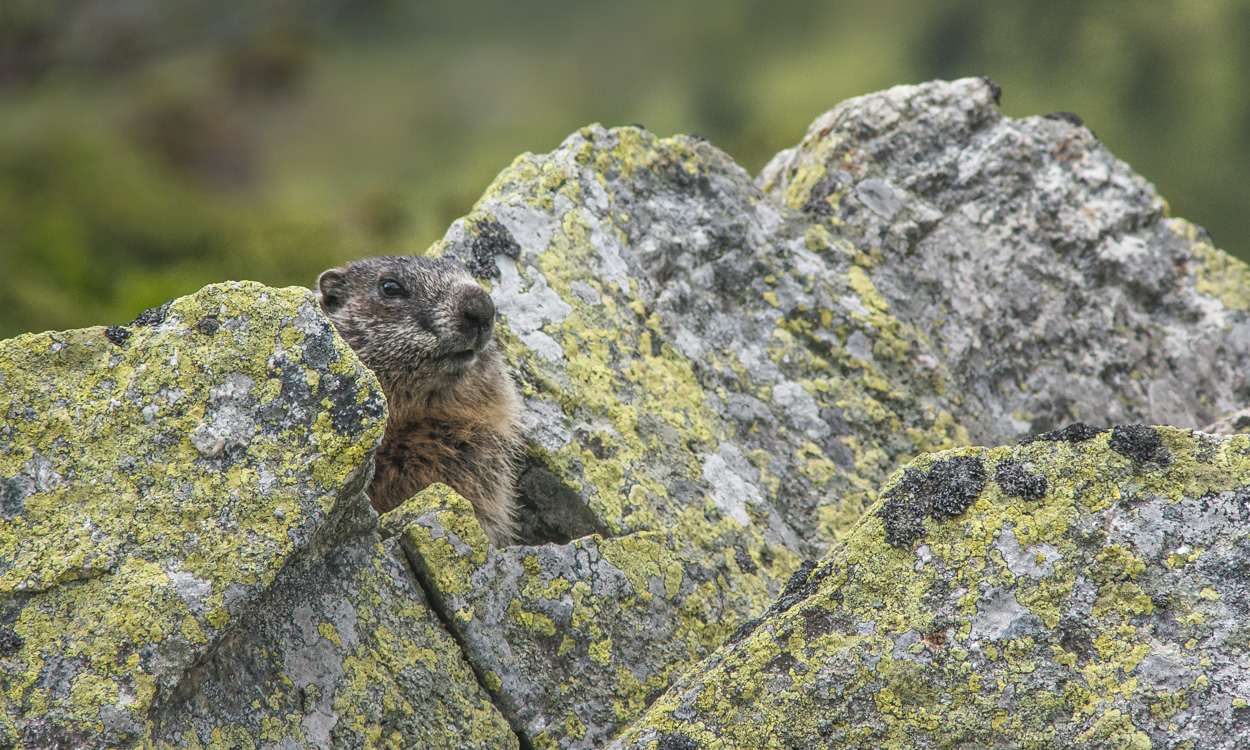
(1217, 273)
(134, 512)
(943, 692)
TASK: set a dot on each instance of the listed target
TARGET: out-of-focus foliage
(148, 147)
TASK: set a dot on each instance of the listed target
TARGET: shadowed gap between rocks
(550, 512)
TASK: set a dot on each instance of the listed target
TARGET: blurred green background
(148, 147)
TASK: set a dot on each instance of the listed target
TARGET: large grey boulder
(724, 371)
(188, 556)
(1047, 276)
(719, 374)
(1094, 594)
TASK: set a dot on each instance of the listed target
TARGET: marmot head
(421, 324)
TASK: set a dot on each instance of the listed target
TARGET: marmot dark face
(426, 329)
(419, 323)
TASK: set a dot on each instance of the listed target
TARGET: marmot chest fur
(426, 329)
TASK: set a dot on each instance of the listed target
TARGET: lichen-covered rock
(573, 639)
(919, 273)
(344, 652)
(1044, 272)
(1112, 610)
(662, 535)
(185, 550)
(720, 373)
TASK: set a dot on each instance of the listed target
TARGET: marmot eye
(391, 288)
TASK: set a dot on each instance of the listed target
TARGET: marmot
(425, 328)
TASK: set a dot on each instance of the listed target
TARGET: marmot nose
(475, 314)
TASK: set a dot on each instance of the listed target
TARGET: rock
(345, 652)
(1111, 612)
(572, 639)
(724, 371)
(188, 554)
(719, 374)
(1238, 421)
(1044, 273)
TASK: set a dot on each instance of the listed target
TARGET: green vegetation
(148, 152)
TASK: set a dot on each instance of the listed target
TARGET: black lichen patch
(209, 325)
(781, 663)
(817, 202)
(318, 347)
(744, 630)
(1075, 637)
(818, 621)
(953, 484)
(117, 335)
(1068, 117)
(904, 521)
(153, 316)
(593, 444)
(1077, 432)
(944, 491)
(10, 642)
(1140, 443)
(286, 411)
(996, 91)
(1016, 481)
(802, 584)
(12, 492)
(745, 563)
(492, 239)
(346, 414)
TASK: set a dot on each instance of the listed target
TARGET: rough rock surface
(1043, 270)
(1111, 611)
(724, 372)
(719, 376)
(187, 556)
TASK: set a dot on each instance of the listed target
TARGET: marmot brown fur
(425, 328)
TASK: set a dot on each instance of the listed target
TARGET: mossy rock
(720, 376)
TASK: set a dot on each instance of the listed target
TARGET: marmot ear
(331, 289)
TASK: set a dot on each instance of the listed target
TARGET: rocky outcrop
(1093, 595)
(720, 375)
(189, 559)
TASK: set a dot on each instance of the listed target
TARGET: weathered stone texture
(185, 554)
(1046, 274)
(1109, 613)
(724, 372)
(573, 639)
(719, 374)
